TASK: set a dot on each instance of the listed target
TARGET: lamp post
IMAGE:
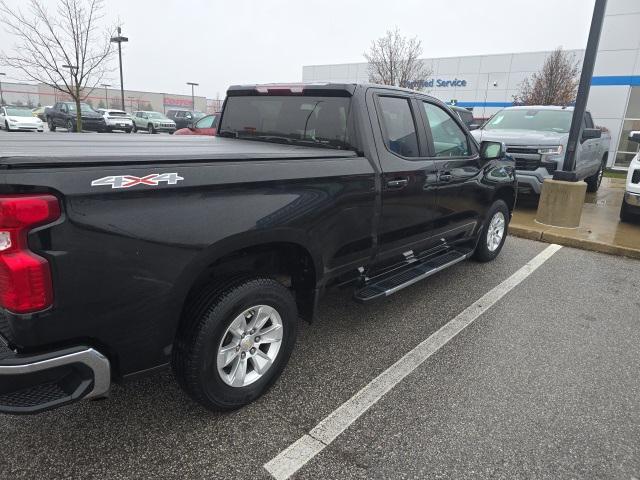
(2, 74)
(119, 40)
(71, 69)
(193, 98)
(106, 94)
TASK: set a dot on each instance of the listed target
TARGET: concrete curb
(552, 237)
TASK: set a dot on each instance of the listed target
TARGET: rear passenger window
(399, 126)
(449, 140)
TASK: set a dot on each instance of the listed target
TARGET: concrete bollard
(561, 203)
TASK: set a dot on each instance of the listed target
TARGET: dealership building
(487, 83)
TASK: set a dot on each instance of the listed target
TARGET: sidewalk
(600, 229)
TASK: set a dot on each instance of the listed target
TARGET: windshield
(83, 107)
(18, 112)
(301, 120)
(155, 115)
(540, 120)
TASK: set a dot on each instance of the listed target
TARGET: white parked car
(117, 120)
(630, 208)
(19, 118)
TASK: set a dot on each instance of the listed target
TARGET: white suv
(117, 120)
(631, 201)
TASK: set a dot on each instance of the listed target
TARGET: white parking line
(296, 455)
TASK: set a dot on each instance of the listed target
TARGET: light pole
(106, 94)
(71, 69)
(2, 74)
(193, 98)
(119, 40)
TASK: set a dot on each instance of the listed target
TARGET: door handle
(446, 177)
(398, 183)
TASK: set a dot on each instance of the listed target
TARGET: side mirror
(473, 126)
(491, 150)
(589, 133)
(634, 136)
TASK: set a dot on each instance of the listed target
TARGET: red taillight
(25, 278)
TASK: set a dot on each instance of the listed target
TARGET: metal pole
(193, 98)
(121, 78)
(119, 39)
(568, 169)
(1, 95)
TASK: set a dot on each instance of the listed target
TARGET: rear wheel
(494, 232)
(134, 129)
(595, 180)
(234, 342)
(70, 126)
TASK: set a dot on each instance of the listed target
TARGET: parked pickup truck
(536, 137)
(202, 252)
(630, 208)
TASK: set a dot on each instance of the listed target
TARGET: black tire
(134, 129)
(151, 129)
(70, 126)
(595, 180)
(483, 253)
(6, 126)
(128, 130)
(52, 126)
(625, 213)
(205, 321)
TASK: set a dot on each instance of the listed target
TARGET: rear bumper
(35, 383)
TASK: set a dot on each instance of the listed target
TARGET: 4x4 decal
(126, 181)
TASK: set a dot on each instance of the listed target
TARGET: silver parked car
(152, 122)
(117, 120)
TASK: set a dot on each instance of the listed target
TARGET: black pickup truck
(118, 256)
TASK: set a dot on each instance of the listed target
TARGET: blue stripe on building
(628, 80)
(633, 80)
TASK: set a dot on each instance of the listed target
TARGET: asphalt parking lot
(543, 384)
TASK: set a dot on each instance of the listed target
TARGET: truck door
(408, 174)
(460, 193)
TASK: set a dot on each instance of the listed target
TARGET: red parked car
(205, 126)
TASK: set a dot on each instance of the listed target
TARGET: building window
(626, 150)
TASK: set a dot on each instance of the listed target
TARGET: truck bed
(60, 149)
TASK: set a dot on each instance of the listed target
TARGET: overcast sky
(218, 43)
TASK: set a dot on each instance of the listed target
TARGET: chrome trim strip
(631, 198)
(98, 363)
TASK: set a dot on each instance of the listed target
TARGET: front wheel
(51, 125)
(626, 216)
(70, 126)
(6, 125)
(234, 342)
(151, 129)
(134, 129)
(494, 232)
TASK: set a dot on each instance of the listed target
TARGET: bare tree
(395, 60)
(64, 49)
(555, 84)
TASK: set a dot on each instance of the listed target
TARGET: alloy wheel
(495, 231)
(249, 346)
